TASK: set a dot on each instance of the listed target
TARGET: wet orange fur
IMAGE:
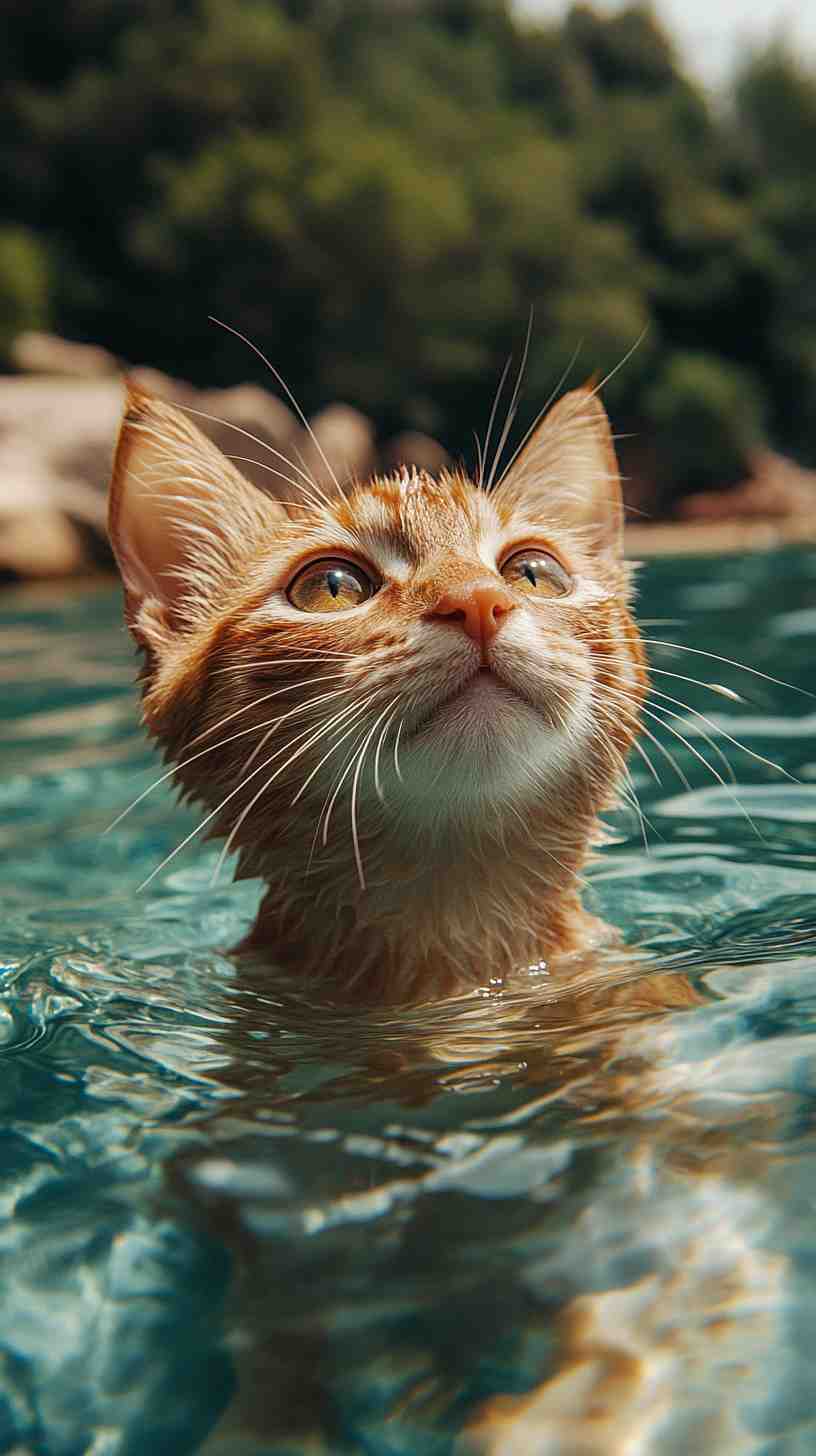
(471, 862)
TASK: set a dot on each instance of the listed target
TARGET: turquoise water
(237, 1221)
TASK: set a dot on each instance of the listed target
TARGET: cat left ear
(569, 472)
(181, 518)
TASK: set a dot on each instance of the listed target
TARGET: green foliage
(24, 283)
(707, 419)
(776, 114)
(625, 52)
(776, 105)
(377, 193)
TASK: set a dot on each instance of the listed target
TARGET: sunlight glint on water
(238, 1221)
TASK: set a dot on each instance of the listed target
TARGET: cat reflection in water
(403, 705)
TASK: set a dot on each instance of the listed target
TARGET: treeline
(377, 192)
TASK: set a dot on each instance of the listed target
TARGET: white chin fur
(487, 747)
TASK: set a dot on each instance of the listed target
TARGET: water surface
(556, 1219)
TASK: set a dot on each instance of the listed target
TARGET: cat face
(414, 659)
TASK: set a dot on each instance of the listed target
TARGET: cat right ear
(567, 472)
(181, 518)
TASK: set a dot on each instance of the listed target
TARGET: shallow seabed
(574, 1217)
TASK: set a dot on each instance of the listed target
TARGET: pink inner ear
(146, 518)
(181, 518)
(568, 472)
(149, 549)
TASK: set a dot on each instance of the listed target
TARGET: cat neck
(452, 915)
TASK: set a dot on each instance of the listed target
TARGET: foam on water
(574, 1217)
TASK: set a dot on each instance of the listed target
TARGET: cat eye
(536, 572)
(330, 586)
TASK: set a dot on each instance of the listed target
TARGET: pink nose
(480, 606)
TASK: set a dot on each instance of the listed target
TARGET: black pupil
(334, 580)
(528, 571)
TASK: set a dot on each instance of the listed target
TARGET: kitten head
(415, 668)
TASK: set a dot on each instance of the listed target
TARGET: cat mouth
(473, 703)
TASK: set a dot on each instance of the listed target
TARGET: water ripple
(576, 1215)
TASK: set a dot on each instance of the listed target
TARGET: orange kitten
(404, 707)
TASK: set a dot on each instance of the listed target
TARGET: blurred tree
(625, 52)
(707, 419)
(24, 283)
(377, 191)
(776, 119)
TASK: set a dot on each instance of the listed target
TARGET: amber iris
(330, 586)
(536, 572)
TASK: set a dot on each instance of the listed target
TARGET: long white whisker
(289, 394)
(355, 837)
(491, 421)
(321, 658)
(718, 728)
(256, 440)
(625, 360)
(222, 742)
(622, 695)
(605, 690)
(632, 799)
(331, 787)
(350, 709)
(592, 393)
(318, 766)
(260, 746)
(378, 789)
(310, 491)
(712, 770)
(479, 461)
(652, 693)
(397, 769)
(638, 747)
(627, 787)
(513, 407)
(712, 744)
(256, 702)
(344, 775)
(667, 754)
(539, 417)
(333, 800)
(722, 691)
(679, 647)
(226, 800)
(695, 751)
(719, 688)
